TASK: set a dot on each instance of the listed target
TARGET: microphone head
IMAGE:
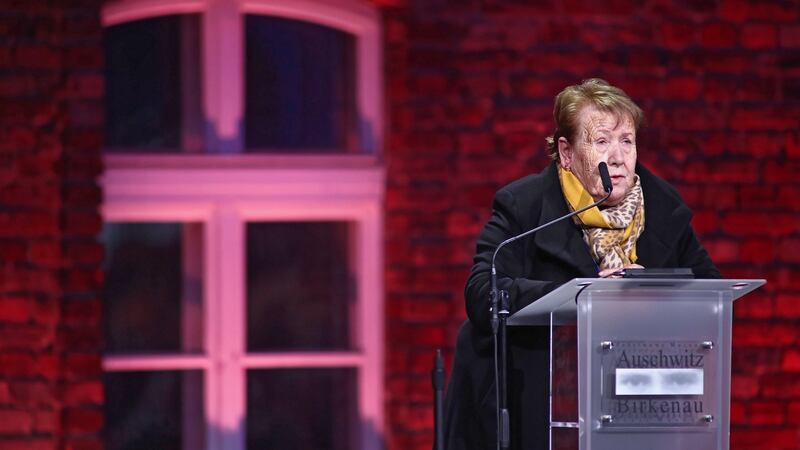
(605, 177)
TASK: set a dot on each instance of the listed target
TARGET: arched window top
(119, 12)
(218, 126)
(352, 16)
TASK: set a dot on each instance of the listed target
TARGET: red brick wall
(469, 98)
(50, 122)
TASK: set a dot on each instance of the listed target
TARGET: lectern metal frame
(654, 359)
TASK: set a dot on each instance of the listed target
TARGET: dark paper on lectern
(680, 272)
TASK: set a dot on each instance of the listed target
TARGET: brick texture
(469, 93)
(50, 81)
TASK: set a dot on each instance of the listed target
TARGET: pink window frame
(223, 193)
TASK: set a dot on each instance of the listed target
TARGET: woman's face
(602, 137)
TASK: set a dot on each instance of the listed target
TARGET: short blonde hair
(592, 92)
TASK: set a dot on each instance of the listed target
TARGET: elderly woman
(644, 223)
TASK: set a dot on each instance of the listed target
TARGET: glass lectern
(639, 363)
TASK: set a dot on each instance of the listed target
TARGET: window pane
(299, 286)
(300, 94)
(152, 84)
(153, 287)
(154, 410)
(301, 408)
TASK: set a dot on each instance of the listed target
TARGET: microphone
(606, 179)
(500, 310)
(607, 186)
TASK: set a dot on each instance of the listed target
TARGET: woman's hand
(614, 273)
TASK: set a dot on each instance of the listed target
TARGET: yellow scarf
(610, 233)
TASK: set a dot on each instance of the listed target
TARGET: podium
(652, 369)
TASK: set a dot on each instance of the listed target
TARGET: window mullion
(227, 375)
(223, 68)
(214, 397)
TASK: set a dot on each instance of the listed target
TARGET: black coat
(529, 269)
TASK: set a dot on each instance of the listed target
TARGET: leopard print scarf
(610, 233)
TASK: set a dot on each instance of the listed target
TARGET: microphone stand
(437, 379)
(500, 308)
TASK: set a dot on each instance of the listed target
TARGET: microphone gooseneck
(500, 310)
(607, 186)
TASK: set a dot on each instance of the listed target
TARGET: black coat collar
(665, 216)
(562, 240)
